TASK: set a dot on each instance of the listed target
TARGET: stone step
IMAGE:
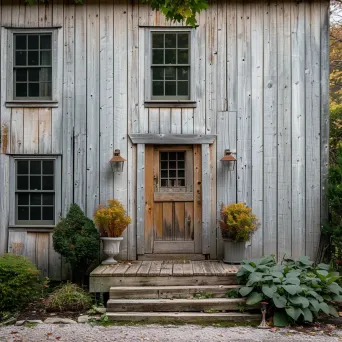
(164, 292)
(185, 317)
(177, 305)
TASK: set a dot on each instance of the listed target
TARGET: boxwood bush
(19, 282)
(296, 290)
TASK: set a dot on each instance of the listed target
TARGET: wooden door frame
(209, 226)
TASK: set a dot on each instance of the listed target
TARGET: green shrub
(69, 297)
(19, 282)
(77, 239)
(295, 289)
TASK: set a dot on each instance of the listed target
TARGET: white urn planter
(234, 252)
(111, 247)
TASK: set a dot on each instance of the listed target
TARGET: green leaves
(335, 288)
(308, 317)
(300, 301)
(269, 290)
(254, 298)
(293, 312)
(245, 291)
(291, 289)
(279, 301)
(280, 319)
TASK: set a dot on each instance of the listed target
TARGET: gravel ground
(154, 333)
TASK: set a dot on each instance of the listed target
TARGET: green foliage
(335, 140)
(77, 239)
(19, 282)
(179, 10)
(296, 289)
(237, 222)
(69, 297)
(203, 295)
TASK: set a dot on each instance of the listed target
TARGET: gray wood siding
(260, 82)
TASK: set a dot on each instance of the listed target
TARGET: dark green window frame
(170, 73)
(32, 66)
(35, 192)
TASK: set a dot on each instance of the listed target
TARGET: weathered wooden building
(79, 81)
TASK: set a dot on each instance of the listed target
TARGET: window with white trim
(35, 191)
(170, 65)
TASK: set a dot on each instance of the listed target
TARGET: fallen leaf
(49, 334)
(58, 337)
(14, 332)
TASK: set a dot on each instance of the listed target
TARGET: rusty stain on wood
(4, 138)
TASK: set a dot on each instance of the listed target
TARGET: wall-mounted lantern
(229, 160)
(117, 162)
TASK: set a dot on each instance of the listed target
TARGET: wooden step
(160, 292)
(185, 317)
(176, 305)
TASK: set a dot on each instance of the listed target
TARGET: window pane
(172, 173)
(157, 56)
(183, 73)
(183, 40)
(163, 182)
(21, 89)
(45, 74)
(22, 167)
(23, 213)
(35, 199)
(158, 88)
(183, 56)
(183, 88)
(48, 183)
(164, 173)
(180, 165)
(158, 40)
(35, 213)
(170, 56)
(35, 183)
(172, 156)
(170, 88)
(45, 41)
(164, 165)
(158, 73)
(32, 58)
(180, 156)
(35, 167)
(20, 58)
(181, 173)
(21, 75)
(172, 165)
(33, 42)
(170, 73)
(23, 199)
(48, 199)
(34, 75)
(48, 213)
(170, 40)
(34, 89)
(22, 182)
(20, 42)
(48, 167)
(45, 89)
(164, 156)
(45, 58)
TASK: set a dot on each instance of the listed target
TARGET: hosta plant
(296, 290)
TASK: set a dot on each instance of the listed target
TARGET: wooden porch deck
(162, 273)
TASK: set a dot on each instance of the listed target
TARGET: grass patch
(69, 297)
(204, 295)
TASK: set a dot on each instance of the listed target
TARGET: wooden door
(173, 199)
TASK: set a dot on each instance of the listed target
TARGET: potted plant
(111, 221)
(237, 224)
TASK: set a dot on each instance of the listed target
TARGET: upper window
(35, 192)
(32, 66)
(170, 65)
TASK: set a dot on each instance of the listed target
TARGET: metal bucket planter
(234, 252)
(111, 247)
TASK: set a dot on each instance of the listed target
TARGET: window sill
(31, 104)
(170, 104)
(36, 228)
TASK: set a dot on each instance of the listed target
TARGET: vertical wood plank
(257, 46)
(120, 104)
(189, 221)
(167, 221)
(284, 128)
(298, 129)
(142, 124)
(31, 16)
(179, 220)
(270, 129)
(45, 132)
(187, 121)
(149, 202)
(107, 95)
(42, 254)
(214, 229)
(55, 261)
(140, 198)
(153, 120)
(17, 131)
(158, 221)
(93, 123)
(17, 242)
(31, 131)
(80, 125)
(165, 120)
(198, 198)
(31, 247)
(176, 121)
(68, 107)
(45, 14)
(312, 134)
(206, 199)
(4, 201)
